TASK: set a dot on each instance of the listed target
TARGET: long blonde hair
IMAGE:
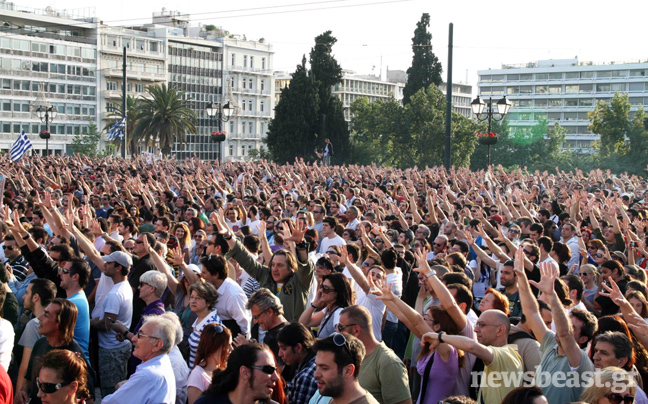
(608, 380)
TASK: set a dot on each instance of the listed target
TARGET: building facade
(563, 91)
(44, 53)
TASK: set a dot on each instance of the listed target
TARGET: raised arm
(527, 299)
(442, 292)
(460, 342)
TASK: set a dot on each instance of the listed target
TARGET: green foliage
(87, 143)
(387, 133)
(307, 113)
(210, 27)
(611, 122)
(426, 68)
(260, 153)
(292, 131)
(164, 118)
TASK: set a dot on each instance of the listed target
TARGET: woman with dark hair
(561, 253)
(525, 395)
(213, 351)
(333, 295)
(182, 233)
(195, 224)
(62, 378)
(202, 300)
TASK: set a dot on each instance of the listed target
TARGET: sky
(376, 34)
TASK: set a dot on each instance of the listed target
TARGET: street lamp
(46, 113)
(484, 111)
(222, 113)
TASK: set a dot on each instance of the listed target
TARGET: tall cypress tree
(326, 73)
(426, 68)
(291, 132)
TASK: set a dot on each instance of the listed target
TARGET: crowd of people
(192, 282)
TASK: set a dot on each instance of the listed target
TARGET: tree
(87, 143)
(292, 131)
(165, 118)
(387, 133)
(426, 68)
(326, 73)
(611, 122)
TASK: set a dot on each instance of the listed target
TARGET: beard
(334, 388)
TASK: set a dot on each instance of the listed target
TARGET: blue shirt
(152, 383)
(82, 327)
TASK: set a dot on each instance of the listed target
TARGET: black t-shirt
(607, 305)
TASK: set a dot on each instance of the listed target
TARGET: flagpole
(124, 112)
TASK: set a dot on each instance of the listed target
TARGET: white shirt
(119, 301)
(574, 248)
(6, 343)
(396, 280)
(103, 287)
(181, 373)
(231, 305)
(327, 242)
(152, 383)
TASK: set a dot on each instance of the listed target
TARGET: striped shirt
(194, 338)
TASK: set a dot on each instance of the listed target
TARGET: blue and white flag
(117, 130)
(20, 147)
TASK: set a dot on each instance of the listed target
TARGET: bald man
(503, 365)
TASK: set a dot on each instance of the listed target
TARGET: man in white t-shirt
(330, 236)
(117, 306)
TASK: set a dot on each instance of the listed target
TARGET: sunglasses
(439, 245)
(6, 247)
(339, 327)
(616, 398)
(340, 340)
(49, 388)
(267, 369)
(64, 271)
(332, 253)
(599, 255)
(527, 252)
(326, 290)
(139, 242)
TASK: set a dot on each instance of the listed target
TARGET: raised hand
(613, 292)
(431, 338)
(548, 275)
(384, 292)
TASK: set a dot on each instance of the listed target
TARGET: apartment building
(563, 91)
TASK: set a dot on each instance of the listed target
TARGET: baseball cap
(119, 257)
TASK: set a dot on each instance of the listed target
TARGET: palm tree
(164, 118)
(133, 105)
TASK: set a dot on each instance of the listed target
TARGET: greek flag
(20, 147)
(117, 130)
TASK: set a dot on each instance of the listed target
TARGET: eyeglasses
(582, 274)
(326, 290)
(49, 388)
(276, 210)
(256, 318)
(438, 244)
(341, 327)
(196, 298)
(340, 340)
(599, 255)
(430, 319)
(7, 247)
(365, 264)
(482, 324)
(616, 398)
(144, 283)
(141, 335)
(527, 252)
(319, 211)
(64, 271)
(514, 231)
(592, 248)
(267, 369)
(139, 242)
(332, 252)
(199, 236)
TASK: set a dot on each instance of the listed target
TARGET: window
(585, 102)
(541, 89)
(526, 77)
(250, 124)
(243, 150)
(555, 103)
(571, 88)
(244, 60)
(555, 89)
(263, 84)
(111, 85)
(231, 150)
(154, 46)
(140, 44)
(604, 74)
(542, 76)
(233, 63)
(586, 88)
(637, 73)
(636, 87)
(617, 87)
(263, 63)
(572, 75)
(571, 103)
(252, 62)
(243, 105)
(250, 105)
(586, 75)
(541, 103)
(126, 42)
(262, 106)
(555, 76)
(139, 88)
(600, 88)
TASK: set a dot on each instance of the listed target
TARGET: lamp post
(46, 113)
(484, 111)
(222, 112)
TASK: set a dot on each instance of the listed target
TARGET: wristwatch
(440, 335)
(431, 273)
(26, 236)
(228, 236)
(125, 334)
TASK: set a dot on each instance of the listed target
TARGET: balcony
(136, 75)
